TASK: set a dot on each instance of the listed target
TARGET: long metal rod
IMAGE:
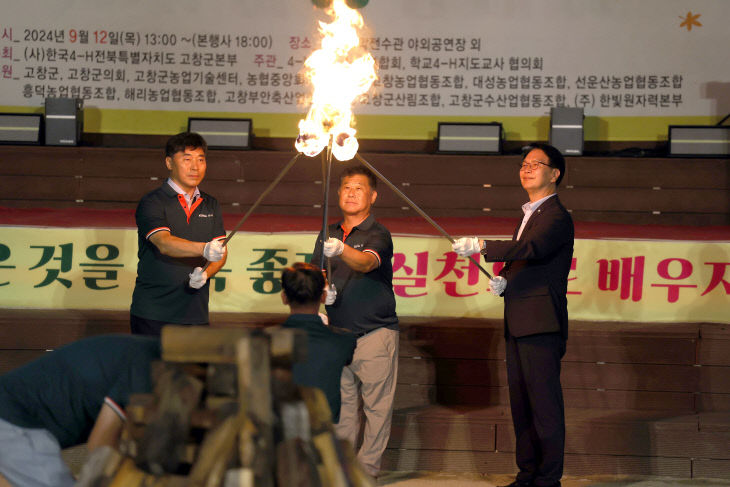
(418, 210)
(260, 198)
(325, 208)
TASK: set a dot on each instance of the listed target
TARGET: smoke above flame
(340, 72)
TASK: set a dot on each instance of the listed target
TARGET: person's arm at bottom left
(107, 428)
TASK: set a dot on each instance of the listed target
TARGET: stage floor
(442, 479)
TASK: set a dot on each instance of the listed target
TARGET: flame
(340, 72)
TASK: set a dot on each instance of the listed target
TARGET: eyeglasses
(532, 165)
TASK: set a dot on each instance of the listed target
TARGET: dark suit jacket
(537, 271)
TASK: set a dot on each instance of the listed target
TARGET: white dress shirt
(528, 209)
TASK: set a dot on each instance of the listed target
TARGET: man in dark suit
(534, 283)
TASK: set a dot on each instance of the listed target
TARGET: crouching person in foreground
(72, 395)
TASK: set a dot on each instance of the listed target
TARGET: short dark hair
(303, 283)
(555, 158)
(362, 170)
(180, 142)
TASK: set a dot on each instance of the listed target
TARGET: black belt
(363, 333)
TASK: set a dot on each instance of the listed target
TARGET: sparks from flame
(340, 72)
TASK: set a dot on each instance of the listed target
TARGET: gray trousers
(370, 378)
(31, 457)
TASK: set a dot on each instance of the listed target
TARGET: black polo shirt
(328, 351)
(161, 291)
(64, 390)
(365, 301)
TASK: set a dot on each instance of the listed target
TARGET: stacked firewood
(225, 412)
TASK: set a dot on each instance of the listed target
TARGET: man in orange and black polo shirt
(179, 228)
(360, 251)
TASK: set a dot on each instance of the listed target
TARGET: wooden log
(201, 344)
(129, 475)
(217, 345)
(334, 475)
(221, 403)
(254, 386)
(320, 416)
(143, 407)
(341, 466)
(296, 464)
(288, 404)
(295, 420)
(221, 380)
(283, 387)
(247, 445)
(288, 346)
(162, 448)
(139, 407)
(238, 477)
(355, 472)
(100, 468)
(216, 451)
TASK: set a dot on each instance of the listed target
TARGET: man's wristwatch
(483, 250)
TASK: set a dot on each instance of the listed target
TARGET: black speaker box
(64, 121)
(223, 133)
(470, 138)
(566, 130)
(21, 128)
(699, 140)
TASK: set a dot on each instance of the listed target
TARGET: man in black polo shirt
(329, 349)
(360, 252)
(72, 395)
(179, 228)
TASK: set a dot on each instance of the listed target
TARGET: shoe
(518, 483)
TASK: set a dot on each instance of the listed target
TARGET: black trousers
(536, 401)
(143, 326)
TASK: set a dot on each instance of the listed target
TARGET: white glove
(198, 278)
(466, 246)
(214, 251)
(324, 318)
(497, 285)
(331, 291)
(333, 247)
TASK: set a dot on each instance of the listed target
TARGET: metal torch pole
(327, 172)
(256, 203)
(418, 210)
